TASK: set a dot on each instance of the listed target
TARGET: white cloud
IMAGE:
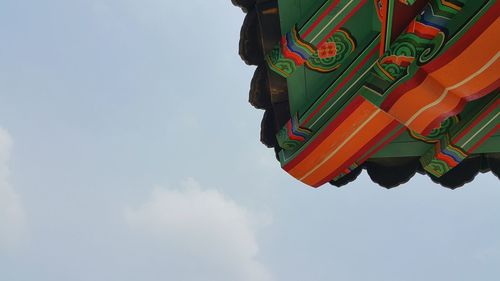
(206, 228)
(12, 216)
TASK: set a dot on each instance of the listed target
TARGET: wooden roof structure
(396, 87)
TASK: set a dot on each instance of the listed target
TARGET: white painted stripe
(447, 90)
(318, 12)
(435, 15)
(342, 95)
(480, 130)
(332, 20)
(342, 144)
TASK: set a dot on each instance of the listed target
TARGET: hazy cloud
(12, 216)
(214, 233)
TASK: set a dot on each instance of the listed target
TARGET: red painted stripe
(342, 84)
(389, 140)
(476, 121)
(289, 54)
(321, 17)
(447, 159)
(295, 138)
(479, 143)
(326, 132)
(425, 31)
(341, 23)
(291, 133)
(486, 91)
(388, 129)
(384, 27)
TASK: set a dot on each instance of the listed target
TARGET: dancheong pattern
(333, 52)
(420, 43)
(292, 135)
(454, 141)
(376, 79)
(291, 53)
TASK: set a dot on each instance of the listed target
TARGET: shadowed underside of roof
(259, 34)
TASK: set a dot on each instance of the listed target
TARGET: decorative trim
(333, 52)
(292, 135)
(290, 54)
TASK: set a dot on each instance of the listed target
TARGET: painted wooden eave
(386, 171)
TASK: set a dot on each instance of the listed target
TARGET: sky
(128, 151)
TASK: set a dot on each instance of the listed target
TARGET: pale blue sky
(128, 152)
